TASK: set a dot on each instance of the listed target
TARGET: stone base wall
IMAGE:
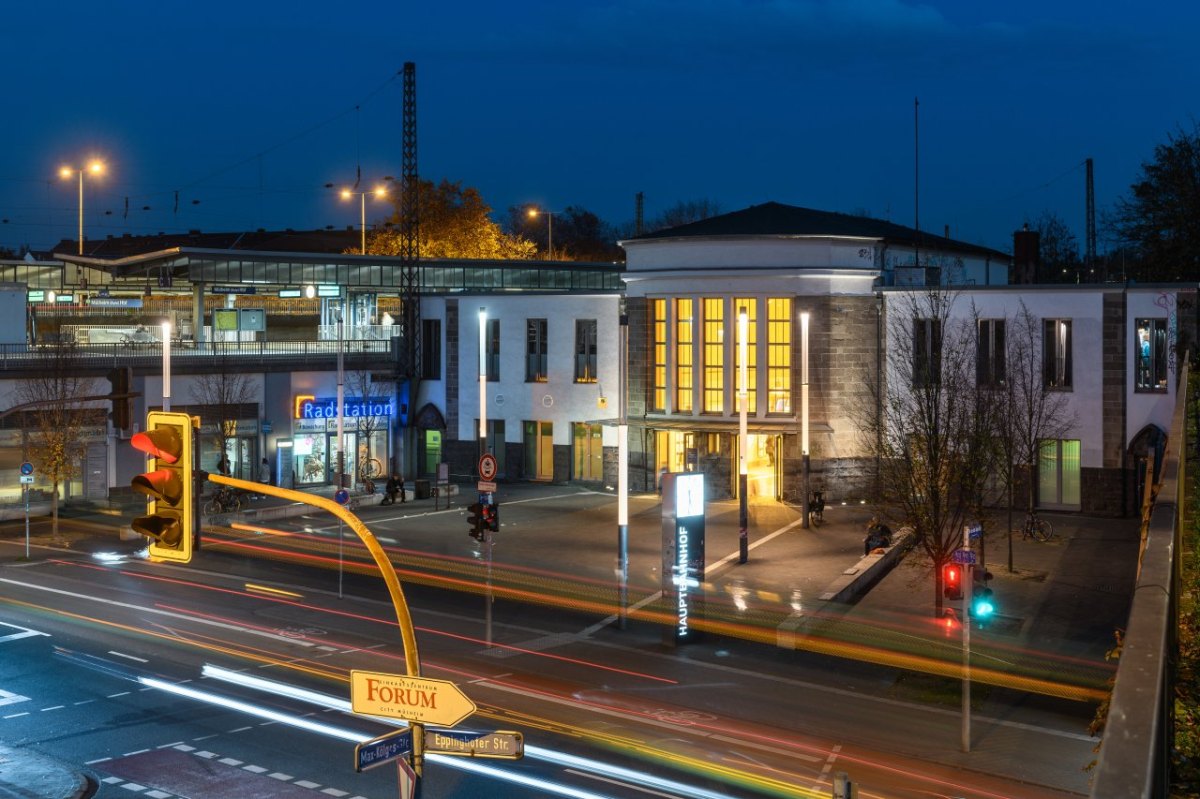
(1108, 492)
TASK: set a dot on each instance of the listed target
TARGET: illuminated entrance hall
(679, 451)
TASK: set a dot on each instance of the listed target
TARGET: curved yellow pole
(412, 661)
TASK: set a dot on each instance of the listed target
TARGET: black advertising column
(683, 554)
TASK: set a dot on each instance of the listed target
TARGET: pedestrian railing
(1135, 751)
(16, 356)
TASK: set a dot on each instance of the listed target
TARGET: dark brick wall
(1108, 492)
(640, 351)
(1114, 385)
(453, 360)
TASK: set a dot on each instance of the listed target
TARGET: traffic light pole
(967, 582)
(408, 635)
(487, 531)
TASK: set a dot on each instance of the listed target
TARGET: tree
(1161, 217)
(1059, 249)
(929, 426)
(454, 223)
(224, 392)
(579, 235)
(360, 383)
(684, 212)
(1033, 412)
(58, 423)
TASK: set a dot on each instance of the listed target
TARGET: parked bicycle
(1037, 528)
(816, 509)
(224, 500)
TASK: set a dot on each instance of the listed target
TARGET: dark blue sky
(248, 106)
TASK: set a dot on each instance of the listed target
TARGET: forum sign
(683, 553)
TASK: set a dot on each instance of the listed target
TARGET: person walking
(264, 472)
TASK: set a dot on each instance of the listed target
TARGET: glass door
(1058, 474)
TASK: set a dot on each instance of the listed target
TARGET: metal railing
(1135, 752)
(19, 356)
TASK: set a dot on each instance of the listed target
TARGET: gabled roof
(777, 219)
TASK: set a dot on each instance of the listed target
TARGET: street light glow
(346, 194)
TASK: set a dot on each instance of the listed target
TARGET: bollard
(843, 788)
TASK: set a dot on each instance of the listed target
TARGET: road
(726, 716)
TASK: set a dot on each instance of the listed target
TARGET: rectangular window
(684, 356)
(714, 354)
(1056, 353)
(751, 307)
(927, 352)
(535, 350)
(658, 326)
(492, 350)
(585, 351)
(989, 354)
(1150, 355)
(431, 349)
(779, 355)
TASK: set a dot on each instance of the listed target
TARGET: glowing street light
(534, 213)
(378, 191)
(67, 172)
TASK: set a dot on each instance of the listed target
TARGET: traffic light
(982, 606)
(167, 442)
(491, 516)
(952, 581)
(121, 380)
(476, 520)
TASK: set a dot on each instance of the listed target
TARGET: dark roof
(777, 219)
(314, 241)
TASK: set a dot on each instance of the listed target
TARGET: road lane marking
(129, 657)
(627, 785)
(823, 777)
(16, 715)
(9, 698)
(24, 632)
(158, 611)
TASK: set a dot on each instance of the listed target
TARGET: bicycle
(816, 509)
(225, 500)
(1037, 528)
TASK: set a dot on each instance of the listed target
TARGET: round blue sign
(26, 468)
(342, 496)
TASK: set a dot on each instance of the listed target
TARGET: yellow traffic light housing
(169, 484)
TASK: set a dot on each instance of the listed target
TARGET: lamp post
(743, 396)
(488, 540)
(622, 481)
(378, 191)
(804, 416)
(94, 168)
(533, 214)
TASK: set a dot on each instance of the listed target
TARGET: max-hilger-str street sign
(416, 699)
(383, 749)
(501, 744)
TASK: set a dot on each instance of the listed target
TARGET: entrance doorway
(1058, 474)
(539, 450)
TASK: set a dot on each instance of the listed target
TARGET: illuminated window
(1056, 353)
(779, 355)
(585, 350)
(751, 307)
(1150, 355)
(714, 355)
(684, 357)
(658, 324)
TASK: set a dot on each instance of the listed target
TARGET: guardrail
(1135, 752)
(16, 356)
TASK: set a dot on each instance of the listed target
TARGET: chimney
(1027, 259)
(947, 234)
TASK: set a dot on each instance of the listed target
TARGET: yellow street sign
(416, 699)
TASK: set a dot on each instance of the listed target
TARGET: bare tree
(223, 392)
(1036, 410)
(359, 383)
(928, 426)
(59, 419)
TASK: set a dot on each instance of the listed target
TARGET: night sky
(250, 107)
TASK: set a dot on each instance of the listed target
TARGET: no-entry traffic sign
(487, 466)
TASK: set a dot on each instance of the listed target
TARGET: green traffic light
(984, 608)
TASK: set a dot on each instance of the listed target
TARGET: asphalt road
(725, 716)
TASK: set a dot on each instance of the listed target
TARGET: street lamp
(534, 213)
(94, 168)
(378, 191)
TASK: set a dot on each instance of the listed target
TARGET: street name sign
(963, 556)
(502, 744)
(378, 751)
(410, 698)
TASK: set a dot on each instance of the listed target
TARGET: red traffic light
(162, 443)
(952, 581)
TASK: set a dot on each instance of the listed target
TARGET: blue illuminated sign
(352, 407)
